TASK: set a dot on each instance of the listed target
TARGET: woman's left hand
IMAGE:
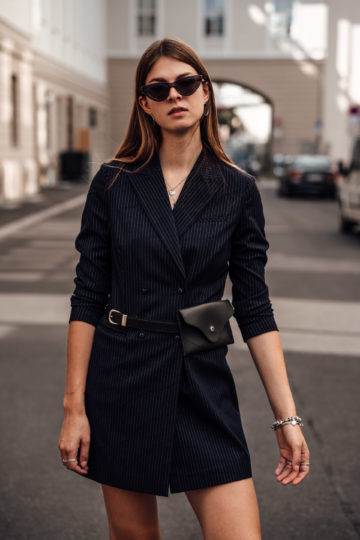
(293, 449)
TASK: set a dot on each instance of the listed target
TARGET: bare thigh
(131, 515)
(227, 511)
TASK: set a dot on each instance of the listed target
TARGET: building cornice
(208, 55)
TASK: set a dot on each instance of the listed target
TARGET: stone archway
(245, 116)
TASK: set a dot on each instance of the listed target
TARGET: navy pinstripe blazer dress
(159, 419)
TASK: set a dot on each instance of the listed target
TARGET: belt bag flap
(205, 326)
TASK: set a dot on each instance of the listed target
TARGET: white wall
(342, 76)
(247, 29)
(17, 13)
(71, 32)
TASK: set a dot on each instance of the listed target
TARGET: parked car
(245, 159)
(308, 174)
(280, 162)
(349, 191)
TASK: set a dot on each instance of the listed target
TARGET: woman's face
(168, 69)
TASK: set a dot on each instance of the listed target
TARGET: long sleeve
(93, 271)
(253, 310)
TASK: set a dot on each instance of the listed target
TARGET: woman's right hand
(74, 441)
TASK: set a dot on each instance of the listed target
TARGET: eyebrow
(160, 79)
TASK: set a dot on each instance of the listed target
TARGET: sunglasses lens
(188, 86)
(185, 87)
(158, 92)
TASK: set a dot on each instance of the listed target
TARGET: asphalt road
(313, 275)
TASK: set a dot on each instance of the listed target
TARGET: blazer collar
(200, 186)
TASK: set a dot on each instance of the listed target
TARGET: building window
(48, 101)
(92, 117)
(355, 164)
(14, 111)
(70, 122)
(214, 18)
(281, 17)
(146, 17)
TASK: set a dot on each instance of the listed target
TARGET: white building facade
(53, 88)
(276, 48)
(342, 79)
(67, 72)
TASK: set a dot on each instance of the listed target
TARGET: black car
(308, 175)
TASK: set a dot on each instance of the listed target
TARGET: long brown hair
(143, 136)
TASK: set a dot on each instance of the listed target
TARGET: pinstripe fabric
(158, 418)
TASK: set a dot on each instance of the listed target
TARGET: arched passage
(246, 119)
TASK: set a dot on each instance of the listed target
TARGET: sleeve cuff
(81, 313)
(258, 327)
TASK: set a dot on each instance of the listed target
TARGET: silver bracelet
(293, 420)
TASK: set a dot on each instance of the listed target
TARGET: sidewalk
(50, 201)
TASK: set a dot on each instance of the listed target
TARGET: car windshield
(313, 163)
(239, 153)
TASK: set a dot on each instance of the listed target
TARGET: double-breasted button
(144, 290)
(176, 337)
(180, 290)
(141, 334)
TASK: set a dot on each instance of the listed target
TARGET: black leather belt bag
(205, 326)
(201, 327)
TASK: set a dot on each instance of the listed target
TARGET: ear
(144, 105)
(206, 92)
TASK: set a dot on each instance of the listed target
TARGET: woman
(161, 235)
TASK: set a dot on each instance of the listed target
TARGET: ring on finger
(305, 463)
(288, 462)
(68, 460)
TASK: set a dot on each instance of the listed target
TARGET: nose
(173, 94)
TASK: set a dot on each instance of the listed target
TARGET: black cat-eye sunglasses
(160, 91)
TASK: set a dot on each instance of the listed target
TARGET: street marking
(293, 263)
(5, 330)
(21, 276)
(306, 326)
(42, 309)
(319, 343)
(28, 221)
(317, 315)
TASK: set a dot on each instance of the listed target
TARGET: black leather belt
(122, 319)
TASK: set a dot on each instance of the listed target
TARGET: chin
(181, 127)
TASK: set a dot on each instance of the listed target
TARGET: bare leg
(131, 515)
(227, 511)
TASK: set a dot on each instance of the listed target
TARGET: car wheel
(345, 225)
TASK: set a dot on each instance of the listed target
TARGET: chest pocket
(221, 208)
(215, 214)
(209, 218)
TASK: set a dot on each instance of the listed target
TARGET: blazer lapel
(200, 187)
(169, 223)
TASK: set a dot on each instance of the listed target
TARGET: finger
(295, 468)
(304, 466)
(71, 452)
(74, 465)
(304, 471)
(285, 473)
(281, 466)
(84, 453)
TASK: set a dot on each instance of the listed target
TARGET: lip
(175, 110)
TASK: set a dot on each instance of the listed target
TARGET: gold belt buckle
(123, 318)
